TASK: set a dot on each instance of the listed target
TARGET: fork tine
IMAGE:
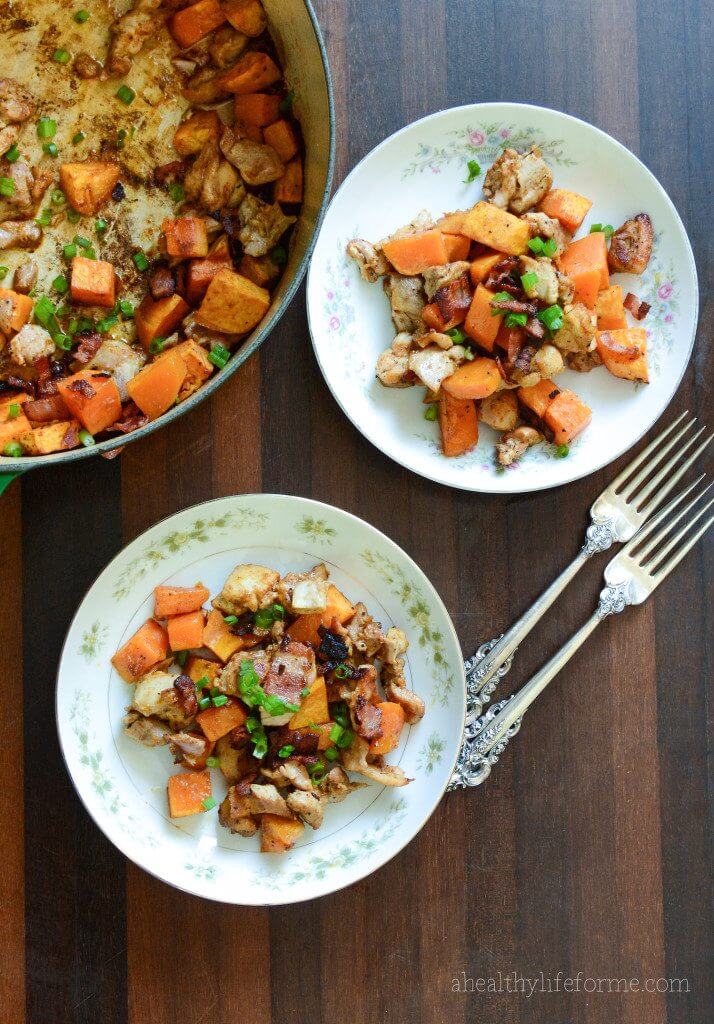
(667, 487)
(654, 522)
(632, 466)
(663, 570)
(634, 482)
(660, 555)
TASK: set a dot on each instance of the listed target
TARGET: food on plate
(491, 303)
(148, 189)
(282, 685)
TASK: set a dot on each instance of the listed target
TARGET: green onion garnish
(345, 739)
(46, 128)
(50, 148)
(220, 700)
(457, 335)
(219, 356)
(607, 229)
(82, 242)
(562, 451)
(230, 620)
(212, 762)
(529, 280)
(536, 245)
(58, 197)
(550, 247)
(13, 450)
(61, 284)
(81, 16)
(86, 438)
(79, 137)
(286, 751)
(332, 753)
(286, 105)
(101, 226)
(305, 691)
(204, 703)
(70, 251)
(13, 411)
(202, 683)
(156, 346)
(552, 317)
(13, 154)
(90, 253)
(209, 803)
(4, 271)
(177, 193)
(64, 342)
(499, 297)
(516, 319)
(336, 732)
(125, 94)
(342, 672)
(106, 324)
(127, 309)
(74, 216)
(474, 171)
(431, 412)
(7, 187)
(61, 56)
(140, 261)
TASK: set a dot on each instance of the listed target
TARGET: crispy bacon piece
(13, 383)
(500, 280)
(534, 327)
(89, 345)
(454, 299)
(82, 387)
(292, 669)
(186, 691)
(45, 410)
(133, 419)
(162, 283)
(623, 353)
(637, 307)
(367, 719)
(515, 306)
(305, 741)
(524, 359)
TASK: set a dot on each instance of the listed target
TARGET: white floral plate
(423, 166)
(123, 785)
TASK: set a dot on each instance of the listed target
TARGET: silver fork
(630, 577)
(615, 515)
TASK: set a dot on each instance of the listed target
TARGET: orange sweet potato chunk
(476, 379)
(277, 835)
(392, 725)
(569, 208)
(253, 72)
(217, 722)
(146, 648)
(313, 708)
(186, 237)
(247, 16)
(93, 282)
(185, 631)
(458, 423)
(482, 322)
(88, 185)
(21, 310)
(257, 108)
(193, 134)
(413, 254)
(305, 627)
(283, 138)
(158, 318)
(93, 398)
(193, 23)
(12, 427)
(200, 274)
(179, 600)
(567, 416)
(155, 388)
(289, 188)
(232, 304)
(538, 397)
(186, 793)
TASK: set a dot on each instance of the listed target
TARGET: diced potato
(278, 834)
(232, 304)
(88, 185)
(496, 228)
(51, 437)
(194, 134)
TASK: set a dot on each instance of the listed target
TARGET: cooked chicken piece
(20, 234)
(234, 762)
(287, 584)
(513, 445)
(310, 596)
(235, 813)
(257, 163)
(129, 33)
(337, 785)
(517, 181)
(211, 181)
(442, 341)
(406, 297)
(245, 589)
(543, 226)
(190, 749)
(422, 222)
(566, 289)
(205, 87)
(354, 759)
(226, 45)
(86, 67)
(9, 134)
(546, 287)
(16, 104)
(392, 366)
(23, 180)
(436, 277)
(578, 331)
(121, 360)
(548, 362)
(306, 806)
(583, 362)
(263, 225)
(289, 773)
(155, 694)
(151, 732)
(372, 262)
(631, 246)
(269, 801)
(366, 634)
(431, 365)
(500, 410)
(413, 706)
(30, 344)
(25, 277)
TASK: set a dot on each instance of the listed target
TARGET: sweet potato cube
(289, 188)
(194, 134)
(567, 416)
(185, 631)
(458, 423)
(482, 321)
(201, 668)
(158, 318)
(200, 274)
(569, 208)
(218, 638)
(51, 437)
(18, 308)
(610, 309)
(198, 366)
(193, 23)
(146, 648)
(93, 398)
(179, 600)
(261, 270)
(538, 397)
(313, 707)
(155, 388)
(232, 304)
(277, 835)
(217, 722)
(452, 223)
(88, 185)
(482, 266)
(457, 247)
(585, 255)
(283, 138)
(414, 253)
(12, 428)
(392, 725)
(186, 237)
(496, 228)
(624, 352)
(305, 627)
(257, 108)
(93, 282)
(187, 792)
(247, 16)
(252, 73)
(476, 379)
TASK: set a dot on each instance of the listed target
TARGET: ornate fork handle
(486, 737)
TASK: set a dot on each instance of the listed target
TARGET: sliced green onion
(516, 319)
(127, 309)
(44, 218)
(73, 327)
(13, 411)
(82, 242)
(209, 803)
(121, 138)
(345, 739)
(212, 762)
(342, 672)
(607, 229)
(13, 450)
(74, 216)
(204, 703)
(474, 171)
(305, 691)
(552, 317)
(106, 324)
(431, 412)
(61, 284)
(4, 271)
(279, 256)
(499, 297)
(44, 310)
(220, 700)
(126, 94)
(140, 261)
(457, 335)
(202, 683)
(336, 732)
(86, 438)
(536, 245)
(101, 226)
(219, 356)
(550, 247)
(562, 451)
(58, 197)
(62, 341)
(81, 16)
(7, 187)
(50, 148)
(79, 137)
(286, 105)
(214, 691)
(529, 280)
(70, 251)
(13, 154)
(177, 193)
(317, 771)
(46, 128)
(156, 346)
(230, 620)
(332, 753)
(90, 253)
(61, 56)
(286, 751)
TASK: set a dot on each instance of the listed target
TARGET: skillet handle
(7, 478)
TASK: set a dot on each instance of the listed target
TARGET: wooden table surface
(587, 850)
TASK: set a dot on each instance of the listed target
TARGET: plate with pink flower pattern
(438, 165)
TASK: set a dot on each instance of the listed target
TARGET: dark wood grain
(589, 848)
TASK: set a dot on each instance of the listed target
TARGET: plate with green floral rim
(123, 785)
(424, 167)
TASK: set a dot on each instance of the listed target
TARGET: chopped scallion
(13, 411)
(101, 226)
(13, 154)
(70, 251)
(332, 753)
(140, 261)
(156, 345)
(286, 751)
(562, 451)
(220, 700)
(529, 281)
(516, 319)
(86, 438)
(177, 193)
(13, 450)
(126, 94)
(126, 308)
(202, 683)
(474, 171)
(81, 16)
(58, 197)
(457, 335)
(50, 148)
(550, 247)
(74, 216)
(61, 284)
(431, 412)
(46, 128)
(61, 56)
(79, 137)
(219, 356)
(552, 317)
(212, 762)
(204, 702)
(7, 187)
(536, 245)
(209, 803)
(4, 271)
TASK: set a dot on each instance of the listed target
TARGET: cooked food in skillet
(151, 172)
(284, 686)
(491, 303)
